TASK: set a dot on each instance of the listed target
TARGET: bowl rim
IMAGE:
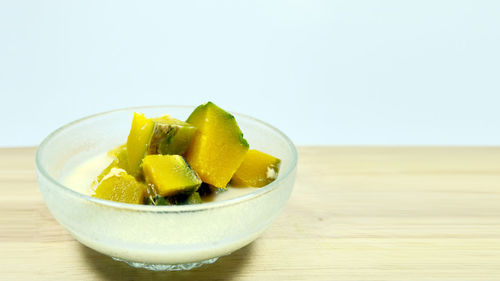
(171, 208)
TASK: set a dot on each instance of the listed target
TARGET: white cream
(82, 176)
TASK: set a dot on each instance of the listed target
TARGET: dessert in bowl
(172, 237)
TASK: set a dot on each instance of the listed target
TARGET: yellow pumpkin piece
(170, 136)
(257, 170)
(168, 119)
(120, 160)
(119, 152)
(170, 175)
(218, 147)
(119, 186)
(138, 142)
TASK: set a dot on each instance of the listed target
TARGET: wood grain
(357, 213)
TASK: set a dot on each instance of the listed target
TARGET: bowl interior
(71, 145)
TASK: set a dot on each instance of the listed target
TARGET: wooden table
(356, 213)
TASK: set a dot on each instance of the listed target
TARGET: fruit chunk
(183, 199)
(138, 142)
(119, 152)
(119, 186)
(120, 160)
(258, 169)
(194, 198)
(170, 174)
(170, 136)
(162, 135)
(218, 146)
(157, 201)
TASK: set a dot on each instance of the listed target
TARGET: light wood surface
(356, 213)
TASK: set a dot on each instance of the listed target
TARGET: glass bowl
(158, 237)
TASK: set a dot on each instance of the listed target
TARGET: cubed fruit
(170, 175)
(162, 135)
(120, 160)
(218, 146)
(170, 136)
(157, 201)
(182, 199)
(185, 199)
(119, 152)
(119, 186)
(257, 170)
(194, 198)
(138, 142)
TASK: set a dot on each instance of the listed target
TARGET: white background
(325, 72)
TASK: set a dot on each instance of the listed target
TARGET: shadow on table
(224, 269)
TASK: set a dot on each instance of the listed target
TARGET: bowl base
(167, 267)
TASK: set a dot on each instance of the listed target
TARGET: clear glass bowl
(158, 237)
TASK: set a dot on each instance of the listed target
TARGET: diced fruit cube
(119, 186)
(194, 198)
(168, 119)
(119, 152)
(185, 199)
(257, 170)
(138, 142)
(120, 160)
(162, 135)
(157, 201)
(182, 199)
(170, 174)
(170, 136)
(218, 146)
